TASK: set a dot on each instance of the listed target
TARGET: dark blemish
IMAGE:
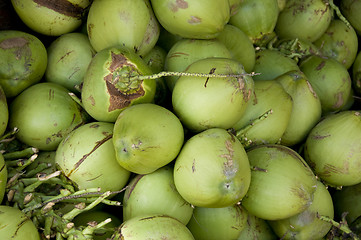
(117, 99)
(92, 179)
(97, 145)
(178, 54)
(319, 137)
(91, 100)
(90, 27)
(63, 7)
(20, 225)
(194, 20)
(64, 56)
(3, 167)
(133, 186)
(210, 72)
(193, 166)
(339, 101)
(178, 4)
(17, 42)
(51, 94)
(321, 65)
(94, 125)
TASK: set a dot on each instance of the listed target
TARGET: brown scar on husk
(63, 7)
(179, 4)
(195, 20)
(117, 99)
(321, 65)
(133, 186)
(97, 145)
(328, 169)
(320, 137)
(16, 42)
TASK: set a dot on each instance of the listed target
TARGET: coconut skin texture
(157, 226)
(87, 157)
(130, 23)
(333, 158)
(216, 102)
(282, 184)
(14, 224)
(155, 193)
(147, 137)
(307, 225)
(201, 19)
(217, 223)
(212, 169)
(23, 61)
(52, 18)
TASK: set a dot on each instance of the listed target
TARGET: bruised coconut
(53, 18)
(112, 83)
(23, 61)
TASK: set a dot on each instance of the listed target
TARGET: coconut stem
(27, 152)
(338, 13)
(187, 74)
(241, 134)
(342, 225)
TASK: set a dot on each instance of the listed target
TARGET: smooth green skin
(68, 58)
(330, 80)
(155, 193)
(268, 95)
(201, 19)
(339, 42)
(23, 61)
(155, 59)
(98, 215)
(306, 225)
(333, 158)
(282, 185)
(104, 104)
(239, 45)
(347, 200)
(212, 169)
(217, 102)
(87, 157)
(187, 51)
(257, 19)
(350, 9)
(271, 64)
(3, 177)
(217, 223)
(109, 20)
(15, 225)
(257, 228)
(44, 114)
(48, 21)
(306, 107)
(4, 117)
(303, 19)
(147, 137)
(356, 74)
(154, 226)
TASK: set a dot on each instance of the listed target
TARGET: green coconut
(282, 184)
(23, 61)
(212, 169)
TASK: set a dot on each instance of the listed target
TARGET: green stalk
(26, 153)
